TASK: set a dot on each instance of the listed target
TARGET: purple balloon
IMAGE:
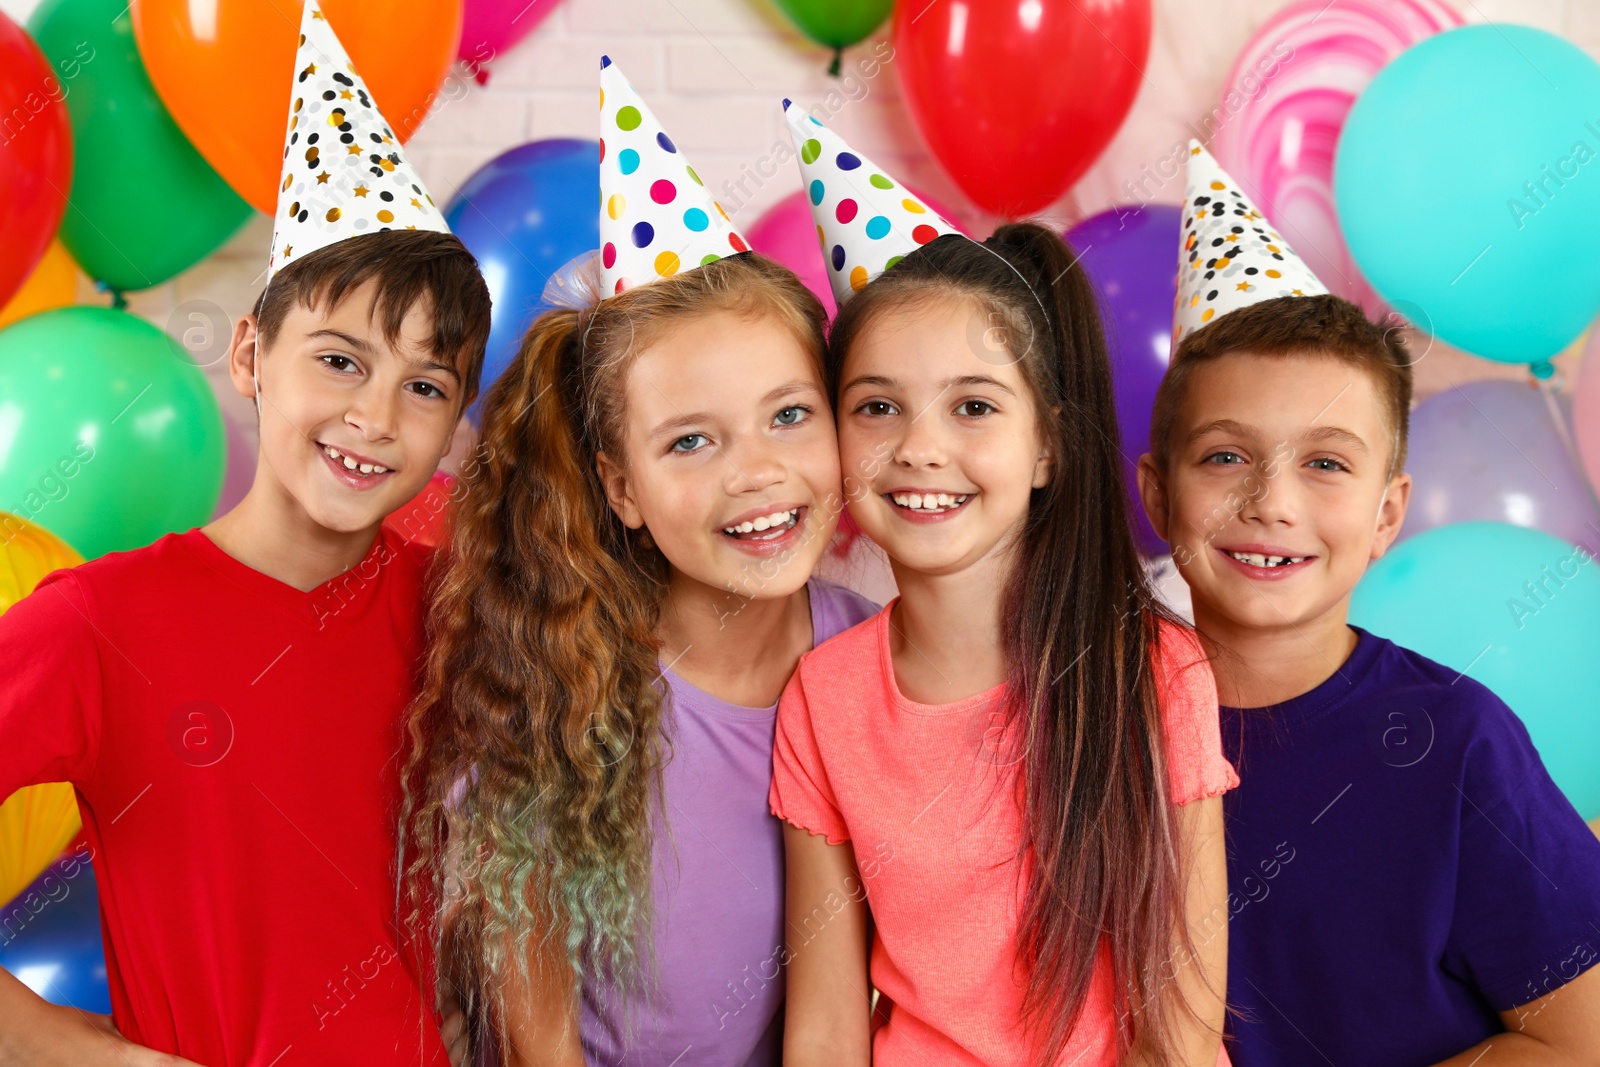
(1131, 255)
(1491, 451)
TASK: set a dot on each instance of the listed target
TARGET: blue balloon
(50, 936)
(524, 214)
(1465, 193)
(1516, 609)
(1131, 256)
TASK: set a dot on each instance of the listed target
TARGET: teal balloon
(144, 205)
(110, 436)
(1519, 611)
(1467, 182)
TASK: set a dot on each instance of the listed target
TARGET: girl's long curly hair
(535, 756)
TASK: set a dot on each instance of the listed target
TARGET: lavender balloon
(1131, 255)
(1491, 451)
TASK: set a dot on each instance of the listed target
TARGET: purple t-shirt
(1401, 868)
(718, 887)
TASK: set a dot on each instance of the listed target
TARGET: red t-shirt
(235, 744)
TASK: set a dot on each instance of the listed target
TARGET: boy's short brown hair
(1323, 325)
(409, 266)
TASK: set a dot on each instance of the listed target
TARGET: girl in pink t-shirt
(1003, 791)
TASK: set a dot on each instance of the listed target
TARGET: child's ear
(1044, 465)
(618, 491)
(1153, 494)
(243, 350)
(1391, 513)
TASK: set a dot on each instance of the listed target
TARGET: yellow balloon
(36, 822)
(53, 284)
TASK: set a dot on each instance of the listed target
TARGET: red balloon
(1016, 98)
(35, 155)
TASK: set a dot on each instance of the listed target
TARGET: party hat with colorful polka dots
(344, 172)
(866, 221)
(656, 216)
(1231, 256)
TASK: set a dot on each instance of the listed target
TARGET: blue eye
(689, 442)
(1223, 458)
(791, 416)
(1332, 464)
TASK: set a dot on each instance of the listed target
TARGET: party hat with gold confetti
(866, 221)
(1231, 257)
(344, 172)
(656, 217)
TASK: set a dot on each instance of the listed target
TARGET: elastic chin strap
(255, 376)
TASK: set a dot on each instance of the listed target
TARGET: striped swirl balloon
(1285, 103)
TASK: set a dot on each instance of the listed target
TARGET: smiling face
(728, 455)
(352, 426)
(940, 446)
(1277, 493)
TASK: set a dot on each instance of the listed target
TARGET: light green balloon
(1519, 611)
(110, 436)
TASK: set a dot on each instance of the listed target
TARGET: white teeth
(928, 502)
(764, 522)
(1256, 559)
(350, 464)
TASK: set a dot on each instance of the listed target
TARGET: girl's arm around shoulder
(1560, 1029)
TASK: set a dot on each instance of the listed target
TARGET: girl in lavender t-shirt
(628, 591)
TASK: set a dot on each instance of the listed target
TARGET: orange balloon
(225, 70)
(38, 821)
(53, 284)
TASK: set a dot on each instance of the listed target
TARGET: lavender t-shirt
(718, 887)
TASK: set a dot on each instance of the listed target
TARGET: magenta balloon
(1287, 96)
(785, 232)
(1586, 411)
(1491, 451)
(490, 27)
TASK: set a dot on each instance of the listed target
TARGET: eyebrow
(960, 381)
(799, 385)
(365, 347)
(1239, 429)
(676, 423)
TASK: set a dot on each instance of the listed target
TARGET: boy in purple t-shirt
(1408, 886)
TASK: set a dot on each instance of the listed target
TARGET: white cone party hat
(344, 172)
(656, 216)
(866, 221)
(1231, 257)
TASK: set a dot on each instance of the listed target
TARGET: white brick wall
(715, 70)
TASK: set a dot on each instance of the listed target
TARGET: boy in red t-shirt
(228, 701)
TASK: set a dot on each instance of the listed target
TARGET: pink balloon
(785, 232)
(1278, 124)
(241, 469)
(490, 27)
(1586, 410)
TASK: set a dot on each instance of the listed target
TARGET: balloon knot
(1542, 369)
(838, 56)
(118, 300)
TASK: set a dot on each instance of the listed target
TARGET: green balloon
(144, 204)
(110, 436)
(836, 23)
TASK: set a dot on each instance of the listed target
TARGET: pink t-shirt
(927, 797)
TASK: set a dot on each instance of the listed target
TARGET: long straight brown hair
(1081, 625)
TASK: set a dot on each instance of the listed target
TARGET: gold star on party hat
(338, 151)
